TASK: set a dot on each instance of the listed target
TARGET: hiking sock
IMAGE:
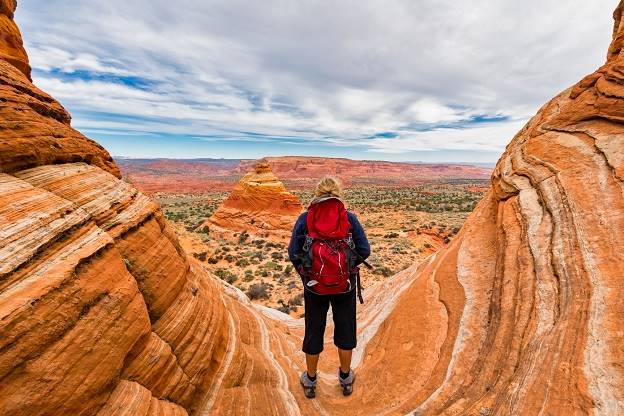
(344, 375)
(312, 379)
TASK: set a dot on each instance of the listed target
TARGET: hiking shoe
(347, 383)
(308, 385)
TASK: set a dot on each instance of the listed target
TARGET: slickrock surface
(102, 313)
(260, 205)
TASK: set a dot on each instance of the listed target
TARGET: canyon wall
(101, 311)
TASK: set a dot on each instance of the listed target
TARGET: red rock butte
(102, 313)
(259, 205)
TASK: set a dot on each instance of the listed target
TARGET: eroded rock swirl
(102, 313)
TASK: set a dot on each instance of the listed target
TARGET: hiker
(327, 246)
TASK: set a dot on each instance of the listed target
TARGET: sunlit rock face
(259, 205)
(102, 313)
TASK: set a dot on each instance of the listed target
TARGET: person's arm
(297, 240)
(359, 237)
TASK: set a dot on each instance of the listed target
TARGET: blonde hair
(328, 187)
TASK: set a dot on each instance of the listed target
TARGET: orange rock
(35, 128)
(11, 45)
(259, 205)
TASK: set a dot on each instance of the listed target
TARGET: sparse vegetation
(258, 291)
(404, 225)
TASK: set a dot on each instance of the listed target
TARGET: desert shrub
(226, 275)
(384, 271)
(288, 269)
(242, 262)
(200, 256)
(270, 244)
(271, 265)
(204, 230)
(296, 300)
(229, 258)
(248, 276)
(427, 245)
(391, 235)
(243, 237)
(284, 308)
(258, 256)
(258, 291)
(214, 259)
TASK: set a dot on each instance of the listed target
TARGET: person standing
(327, 245)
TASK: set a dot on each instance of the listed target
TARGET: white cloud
(335, 73)
(485, 138)
(48, 58)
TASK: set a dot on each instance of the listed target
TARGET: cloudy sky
(415, 80)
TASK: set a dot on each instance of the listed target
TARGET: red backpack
(329, 253)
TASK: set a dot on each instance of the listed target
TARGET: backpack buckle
(308, 243)
(349, 241)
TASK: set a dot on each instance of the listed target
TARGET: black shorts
(343, 311)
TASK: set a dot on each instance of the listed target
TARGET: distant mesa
(259, 204)
(296, 172)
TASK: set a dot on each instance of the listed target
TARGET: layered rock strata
(102, 313)
(259, 205)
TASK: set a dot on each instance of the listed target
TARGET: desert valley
(409, 211)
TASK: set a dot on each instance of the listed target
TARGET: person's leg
(345, 325)
(312, 364)
(345, 360)
(345, 337)
(316, 308)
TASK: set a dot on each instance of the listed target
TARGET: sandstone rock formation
(102, 313)
(259, 205)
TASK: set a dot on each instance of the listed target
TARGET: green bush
(384, 271)
(242, 262)
(226, 275)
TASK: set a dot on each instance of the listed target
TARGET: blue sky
(409, 80)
